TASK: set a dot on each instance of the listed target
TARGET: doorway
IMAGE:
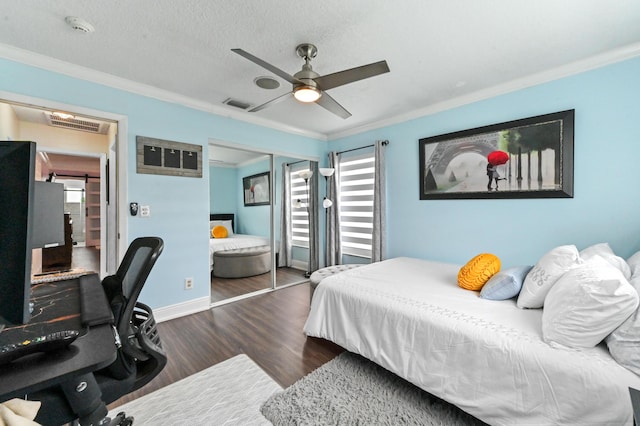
(81, 176)
(63, 139)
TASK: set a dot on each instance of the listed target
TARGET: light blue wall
(223, 194)
(179, 206)
(606, 176)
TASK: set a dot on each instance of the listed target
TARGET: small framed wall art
(161, 157)
(255, 189)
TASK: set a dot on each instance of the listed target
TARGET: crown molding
(83, 73)
(577, 67)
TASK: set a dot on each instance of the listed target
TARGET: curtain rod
(384, 143)
(85, 177)
(296, 162)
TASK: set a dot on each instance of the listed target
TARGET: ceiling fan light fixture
(306, 94)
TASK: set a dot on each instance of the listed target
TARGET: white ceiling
(441, 53)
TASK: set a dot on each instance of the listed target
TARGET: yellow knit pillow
(478, 270)
(219, 232)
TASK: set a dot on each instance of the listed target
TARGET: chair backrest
(131, 277)
(122, 290)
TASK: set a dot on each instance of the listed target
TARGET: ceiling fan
(309, 86)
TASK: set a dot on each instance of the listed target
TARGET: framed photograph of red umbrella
(527, 158)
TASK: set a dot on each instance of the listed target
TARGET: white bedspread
(235, 241)
(486, 357)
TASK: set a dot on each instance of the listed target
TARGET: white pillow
(545, 273)
(624, 341)
(604, 251)
(634, 264)
(226, 223)
(586, 304)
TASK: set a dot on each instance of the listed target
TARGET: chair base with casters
(58, 403)
(140, 356)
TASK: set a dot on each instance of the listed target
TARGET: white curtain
(378, 243)
(284, 253)
(333, 251)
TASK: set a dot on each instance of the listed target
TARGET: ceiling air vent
(77, 123)
(236, 103)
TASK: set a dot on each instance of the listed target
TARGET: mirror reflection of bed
(241, 263)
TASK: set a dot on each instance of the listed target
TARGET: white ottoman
(242, 262)
(323, 273)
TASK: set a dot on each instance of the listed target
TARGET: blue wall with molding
(606, 176)
(606, 173)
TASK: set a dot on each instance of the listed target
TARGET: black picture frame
(538, 152)
(256, 190)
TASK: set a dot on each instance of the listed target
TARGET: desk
(56, 306)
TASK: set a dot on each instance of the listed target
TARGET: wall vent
(77, 123)
(236, 103)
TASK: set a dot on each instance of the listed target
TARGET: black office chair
(140, 357)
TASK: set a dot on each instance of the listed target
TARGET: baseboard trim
(182, 309)
(299, 264)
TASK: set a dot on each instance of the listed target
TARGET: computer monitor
(48, 222)
(17, 177)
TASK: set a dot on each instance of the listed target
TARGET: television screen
(17, 172)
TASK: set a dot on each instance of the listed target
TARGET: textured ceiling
(439, 51)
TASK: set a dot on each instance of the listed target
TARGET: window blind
(356, 204)
(299, 215)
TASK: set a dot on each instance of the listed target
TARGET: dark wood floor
(267, 328)
(225, 288)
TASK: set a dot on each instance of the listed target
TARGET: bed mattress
(486, 357)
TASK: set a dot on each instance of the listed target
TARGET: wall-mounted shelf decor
(161, 157)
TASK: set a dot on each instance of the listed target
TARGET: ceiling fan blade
(277, 71)
(271, 102)
(331, 105)
(341, 78)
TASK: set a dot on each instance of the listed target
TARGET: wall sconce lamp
(326, 172)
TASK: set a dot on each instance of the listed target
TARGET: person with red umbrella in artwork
(495, 159)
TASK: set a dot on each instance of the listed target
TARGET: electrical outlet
(145, 211)
(188, 283)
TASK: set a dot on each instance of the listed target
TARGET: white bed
(486, 357)
(235, 241)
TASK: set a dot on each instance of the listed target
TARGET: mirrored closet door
(240, 244)
(247, 198)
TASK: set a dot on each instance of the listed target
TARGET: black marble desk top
(57, 307)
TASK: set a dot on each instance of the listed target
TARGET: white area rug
(351, 390)
(228, 393)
